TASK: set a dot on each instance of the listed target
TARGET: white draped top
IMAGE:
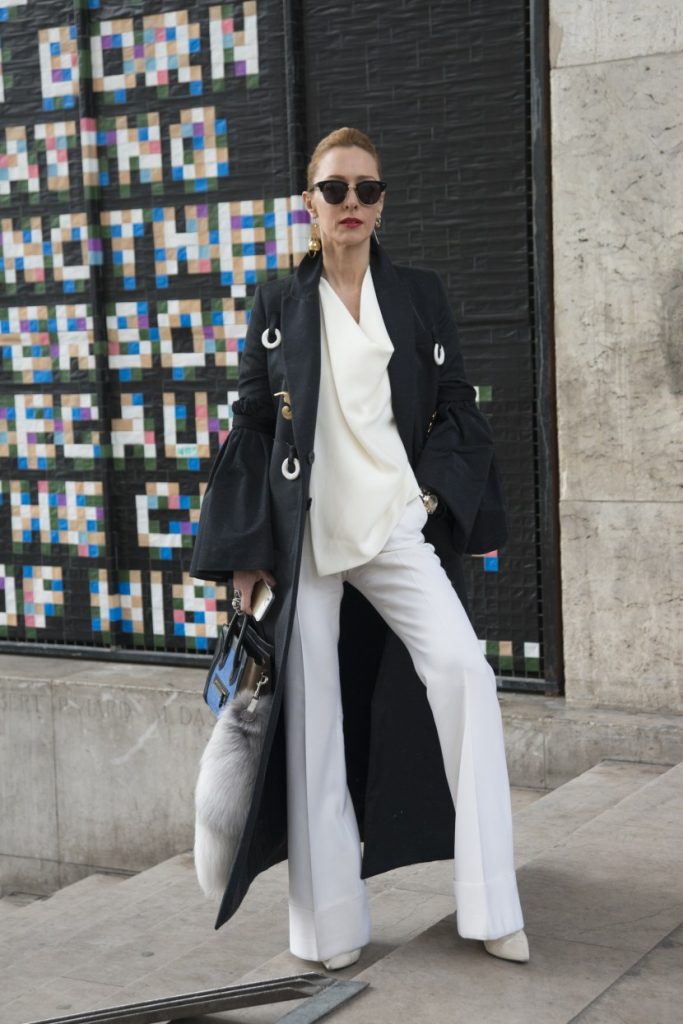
(361, 479)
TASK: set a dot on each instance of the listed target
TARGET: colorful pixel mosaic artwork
(37, 429)
(189, 430)
(42, 595)
(56, 343)
(504, 653)
(59, 72)
(240, 242)
(47, 344)
(36, 159)
(183, 336)
(151, 51)
(234, 41)
(195, 611)
(138, 605)
(8, 7)
(58, 514)
(145, 191)
(167, 519)
(9, 610)
(118, 606)
(123, 151)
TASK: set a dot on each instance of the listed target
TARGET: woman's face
(350, 223)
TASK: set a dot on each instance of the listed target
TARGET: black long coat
(253, 517)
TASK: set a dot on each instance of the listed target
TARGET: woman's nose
(351, 199)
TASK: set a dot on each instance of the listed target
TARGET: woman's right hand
(244, 581)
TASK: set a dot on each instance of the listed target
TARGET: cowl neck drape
(361, 478)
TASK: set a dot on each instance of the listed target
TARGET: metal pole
(546, 425)
(295, 93)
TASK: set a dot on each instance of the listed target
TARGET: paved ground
(599, 868)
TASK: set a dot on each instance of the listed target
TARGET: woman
(358, 457)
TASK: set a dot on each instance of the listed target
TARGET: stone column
(617, 179)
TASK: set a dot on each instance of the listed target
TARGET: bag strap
(249, 641)
(223, 645)
(259, 648)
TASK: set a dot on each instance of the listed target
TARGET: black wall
(444, 89)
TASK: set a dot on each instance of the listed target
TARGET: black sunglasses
(334, 191)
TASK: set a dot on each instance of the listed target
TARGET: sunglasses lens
(368, 192)
(334, 192)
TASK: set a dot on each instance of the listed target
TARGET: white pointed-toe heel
(509, 947)
(335, 963)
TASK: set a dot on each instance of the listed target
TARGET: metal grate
(322, 995)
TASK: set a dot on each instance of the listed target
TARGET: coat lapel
(397, 312)
(300, 328)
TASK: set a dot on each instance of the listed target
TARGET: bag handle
(248, 639)
(239, 645)
(227, 633)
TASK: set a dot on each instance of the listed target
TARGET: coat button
(291, 474)
(310, 458)
(271, 338)
(286, 404)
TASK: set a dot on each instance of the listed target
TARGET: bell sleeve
(235, 529)
(458, 461)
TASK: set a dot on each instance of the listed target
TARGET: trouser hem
(488, 910)
(321, 934)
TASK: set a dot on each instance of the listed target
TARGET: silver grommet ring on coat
(291, 474)
(265, 337)
(439, 354)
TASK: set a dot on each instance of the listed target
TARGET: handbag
(238, 693)
(241, 662)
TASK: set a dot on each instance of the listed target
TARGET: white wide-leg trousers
(406, 583)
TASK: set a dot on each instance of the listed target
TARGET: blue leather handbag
(241, 662)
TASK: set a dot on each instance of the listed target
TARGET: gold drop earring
(378, 222)
(314, 243)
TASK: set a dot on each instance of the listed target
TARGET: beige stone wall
(617, 179)
(98, 762)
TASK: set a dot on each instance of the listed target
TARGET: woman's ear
(308, 203)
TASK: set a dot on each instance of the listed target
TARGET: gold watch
(429, 500)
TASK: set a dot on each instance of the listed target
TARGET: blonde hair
(340, 137)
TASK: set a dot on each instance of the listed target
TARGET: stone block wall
(98, 762)
(617, 167)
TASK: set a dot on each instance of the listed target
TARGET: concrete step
(152, 935)
(649, 990)
(12, 902)
(555, 816)
(7, 909)
(83, 891)
(92, 893)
